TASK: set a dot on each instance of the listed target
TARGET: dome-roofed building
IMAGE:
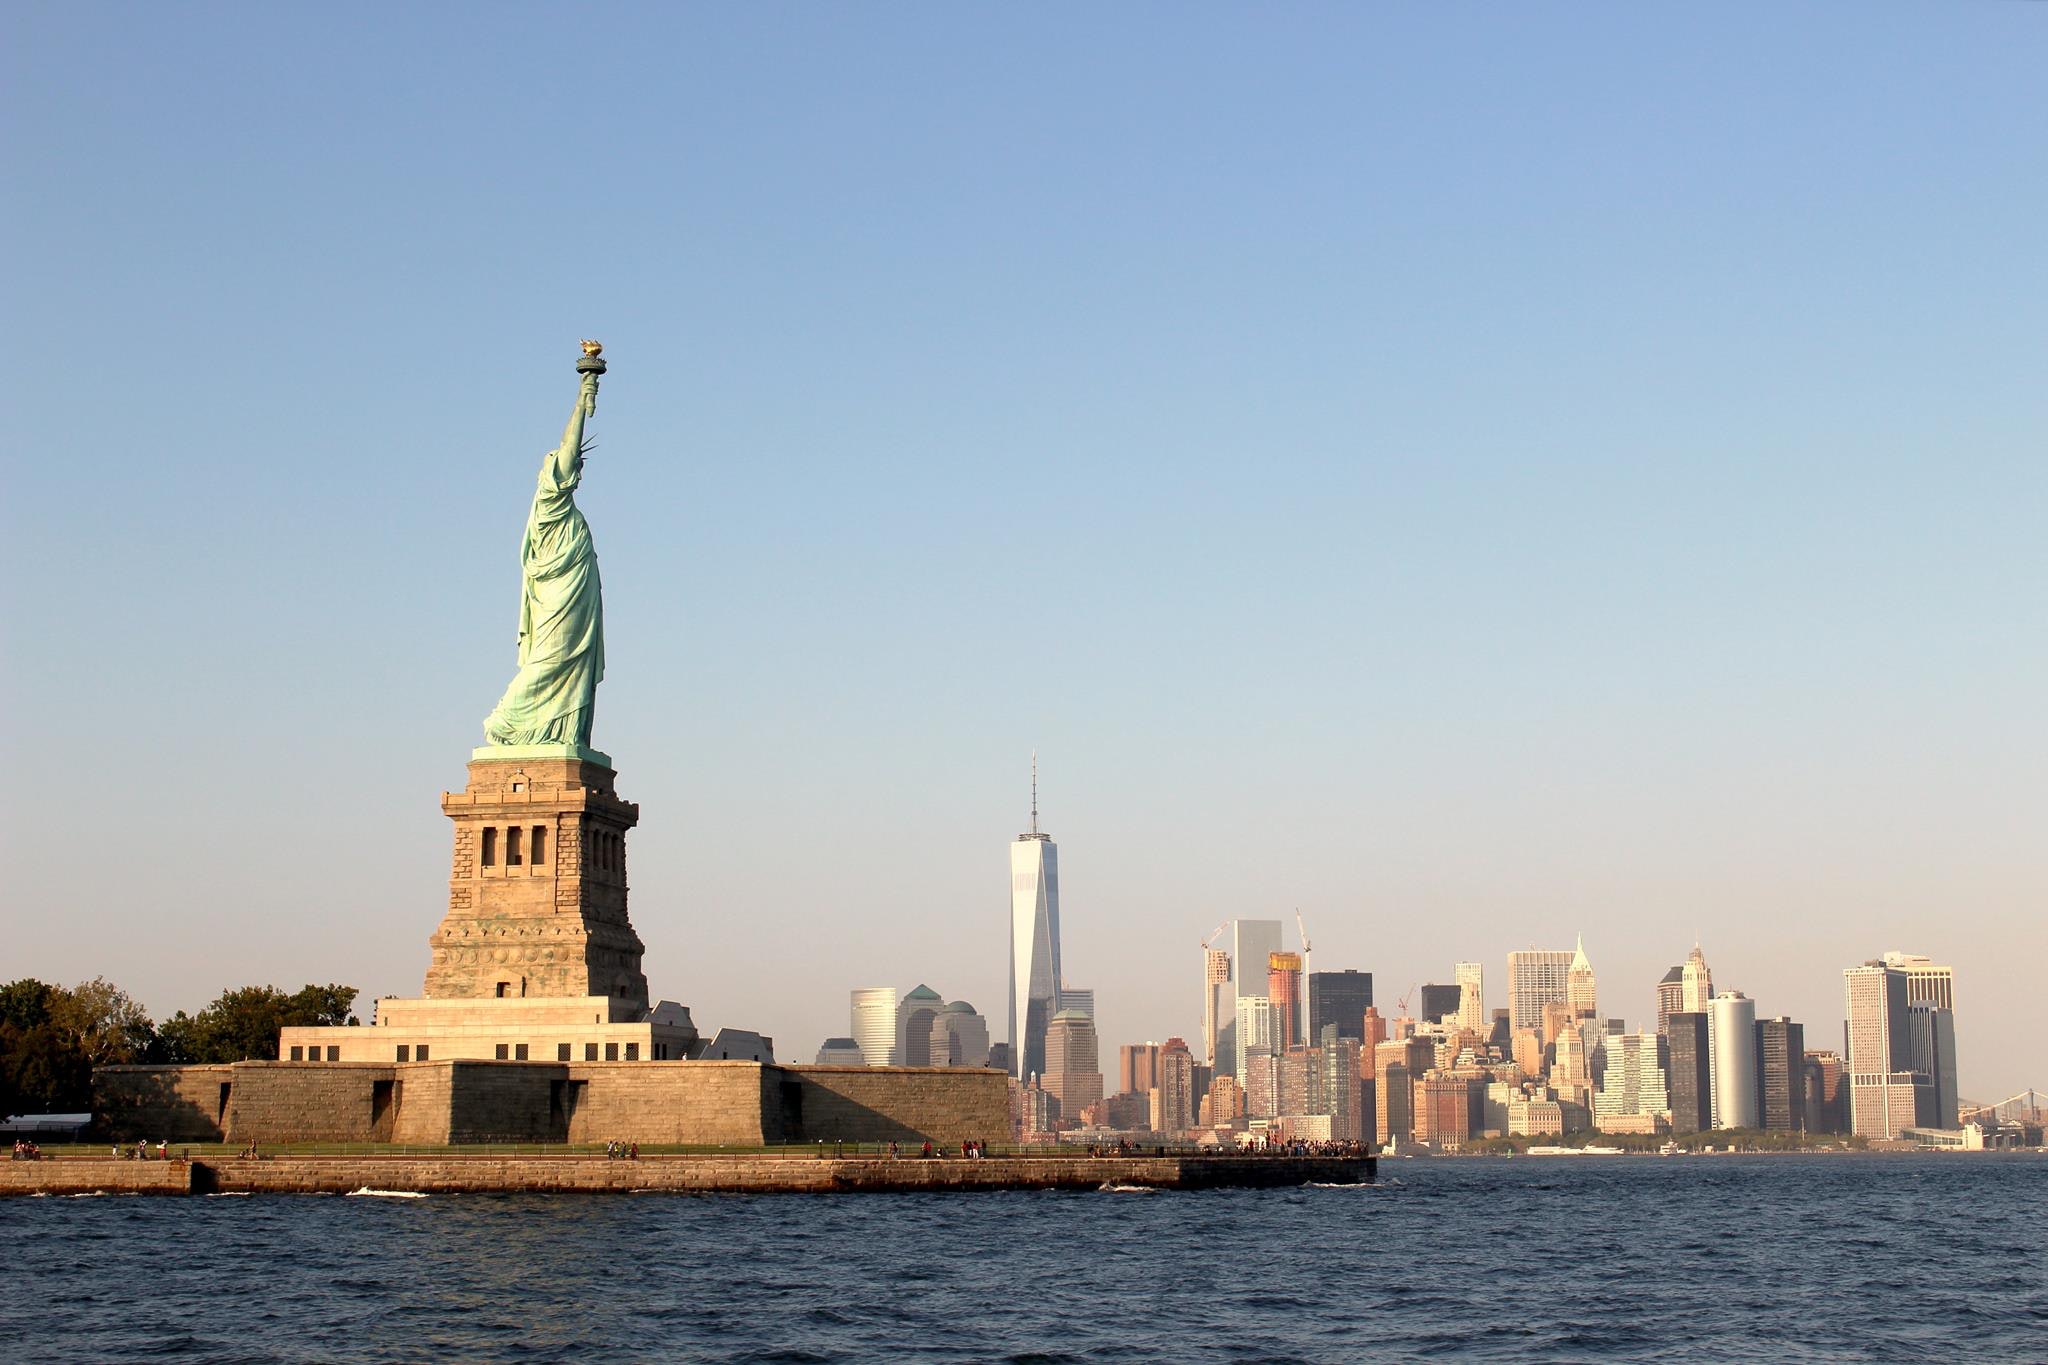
(840, 1052)
(915, 1014)
(959, 1036)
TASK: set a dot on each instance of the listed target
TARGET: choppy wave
(386, 1194)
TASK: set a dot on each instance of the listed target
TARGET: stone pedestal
(537, 890)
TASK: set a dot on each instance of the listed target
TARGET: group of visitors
(974, 1149)
(24, 1150)
(140, 1151)
(622, 1151)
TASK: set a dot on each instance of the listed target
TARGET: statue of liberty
(561, 606)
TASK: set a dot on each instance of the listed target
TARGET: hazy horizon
(1474, 477)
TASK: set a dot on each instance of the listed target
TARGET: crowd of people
(622, 1151)
(24, 1150)
(140, 1151)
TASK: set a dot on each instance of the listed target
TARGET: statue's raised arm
(561, 609)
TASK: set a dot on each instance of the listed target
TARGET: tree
(109, 1026)
(44, 1067)
(243, 1024)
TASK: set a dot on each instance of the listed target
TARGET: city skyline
(1471, 502)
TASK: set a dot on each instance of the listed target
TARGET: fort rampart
(735, 1104)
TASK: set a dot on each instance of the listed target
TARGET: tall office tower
(875, 1026)
(1077, 998)
(1536, 977)
(1580, 990)
(1927, 983)
(1396, 1066)
(1471, 979)
(1176, 1088)
(1438, 1002)
(914, 1024)
(1557, 1021)
(1690, 1075)
(1781, 1074)
(1394, 1103)
(1297, 1076)
(1137, 1067)
(1339, 998)
(1260, 1078)
(1073, 1067)
(1696, 983)
(1034, 940)
(1343, 1092)
(1255, 1031)
(1443, 1111)
(1252, 945)
(1375, 1029)
(1827, 1088)
(1283, 988)
(1222, 1104)
(1883, 1102)
(1502, 1034)
(1571, 1075)
(1731, 1035)
(840, 1052)
(1933, 1053)
(1215, 978)
(1633, 1085)
(1526, 1049)
(1670, 996)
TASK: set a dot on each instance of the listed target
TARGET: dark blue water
(1786, 1258)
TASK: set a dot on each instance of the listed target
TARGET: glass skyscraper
(1034, 941)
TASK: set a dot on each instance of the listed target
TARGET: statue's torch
(591, 364)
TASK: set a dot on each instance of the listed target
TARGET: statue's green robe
(561, 614)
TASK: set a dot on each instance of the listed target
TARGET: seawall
(748, 1174)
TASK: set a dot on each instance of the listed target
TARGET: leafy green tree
(110, 1027)
(44, 1065)
(243, 1024)
(26, 1003)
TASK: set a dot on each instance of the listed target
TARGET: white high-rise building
(1536, 977)
(1471, 979)
(876, 1026)
(1633, 1082)
(1034, 941)
(1256, 1033)
(1731, 1049)
(1581, 990)
(1881, 1099)
(1695, 983)
(1252, 945)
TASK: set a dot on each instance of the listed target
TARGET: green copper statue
(561, 607)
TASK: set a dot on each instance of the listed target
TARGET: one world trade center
(1034, 941)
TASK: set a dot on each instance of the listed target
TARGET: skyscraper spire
(1034, 791)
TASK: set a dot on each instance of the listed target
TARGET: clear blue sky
(1474, 473)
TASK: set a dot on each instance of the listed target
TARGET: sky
(1473, 475)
